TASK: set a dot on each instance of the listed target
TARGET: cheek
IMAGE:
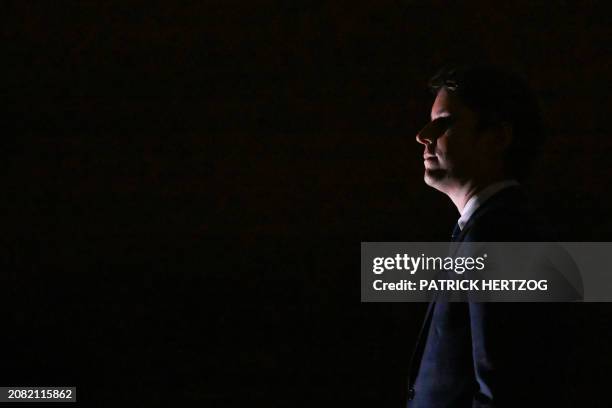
(449, 147)
(442, 143)
(457, 152)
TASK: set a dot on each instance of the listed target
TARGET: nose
(422, 139)
(425, 136)
(429, 134)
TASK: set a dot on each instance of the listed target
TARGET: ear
(504, 136)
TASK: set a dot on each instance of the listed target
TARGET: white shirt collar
(477, 199)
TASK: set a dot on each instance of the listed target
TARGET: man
(485, 129)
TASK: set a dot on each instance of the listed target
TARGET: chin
(435, 178)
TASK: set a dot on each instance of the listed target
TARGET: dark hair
(499, 97)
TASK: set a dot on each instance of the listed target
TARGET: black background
(187, 185)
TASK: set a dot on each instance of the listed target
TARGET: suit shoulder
(506, 217)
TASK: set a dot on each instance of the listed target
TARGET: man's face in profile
(456, 151)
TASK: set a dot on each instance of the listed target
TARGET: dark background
(186, 187)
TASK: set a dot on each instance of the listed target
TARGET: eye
(437, 127)
(443, 122)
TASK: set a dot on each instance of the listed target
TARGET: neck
(461, 193)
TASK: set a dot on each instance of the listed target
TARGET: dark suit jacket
(493, 354)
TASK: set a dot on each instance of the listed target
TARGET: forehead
(446, 104)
